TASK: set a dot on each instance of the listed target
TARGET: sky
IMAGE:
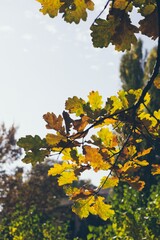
(44, 61)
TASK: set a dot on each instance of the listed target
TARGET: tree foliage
(117, 28)
(116, 135)
(31, 208)
(9, 151)
(135, 216)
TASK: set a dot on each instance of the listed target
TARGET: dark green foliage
(131, 68)
(136, 217)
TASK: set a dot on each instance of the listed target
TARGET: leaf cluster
(117, 27)
(108, 148)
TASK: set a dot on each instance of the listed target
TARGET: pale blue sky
(44, 61)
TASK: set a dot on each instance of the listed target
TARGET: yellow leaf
(144, 152)
(131, 150)
(59, 168)
(116, 104)
(109, 182)
(72, 191)
(82, 206)
(122, 96)
(107, 137)
(95, 100)
(129, 167)
(101, 209)
(157, 114)
(77, 11)
(157, 82)
(142, 163)
(67, 178)
(53, 139)
(155, 169)
(66, 154)
(50, 7)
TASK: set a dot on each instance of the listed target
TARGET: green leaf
(29, 142)
(102, 31)
(35, 156)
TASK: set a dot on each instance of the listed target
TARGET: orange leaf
(94, 158)
(155, 169)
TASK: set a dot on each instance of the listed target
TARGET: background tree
(132, 68)
(9, 151)
(31, 204)
(36, 207)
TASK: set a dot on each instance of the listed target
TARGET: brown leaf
(149, 25)
(81, 123)
(53, 122)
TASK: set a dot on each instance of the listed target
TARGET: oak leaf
(53, 122)
(95, 100)
(67, 178)
(149, 26)
(75, 105)
(101, 209)
(77, 11)
(53, 139)
(94, 158)
(82, 207)
(109, 182)
(50, 7)
(103, 30)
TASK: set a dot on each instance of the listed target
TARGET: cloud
(27, 36)
(82, 36)
(110, 64)
(94, 67)
(29, 14)
(51, 29)
(6, 29)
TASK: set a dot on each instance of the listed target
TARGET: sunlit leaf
(59, 168)
(155, 169)
(82, 206)
(73, 11)
(77, 11)
(102, 209)
(53, 139)
(107, 137)
(94, 158)
(95, 100)
(66, 178)
(109, 182)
